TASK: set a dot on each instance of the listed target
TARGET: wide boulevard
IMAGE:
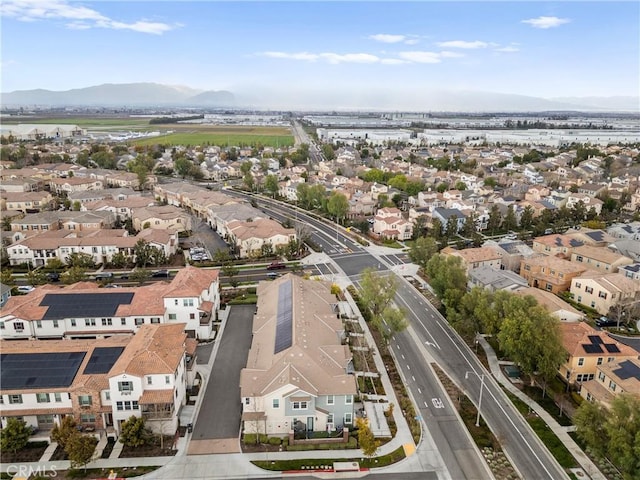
(429, 339)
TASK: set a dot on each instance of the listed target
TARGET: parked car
(53, 276)
(160, 274)
(276, 266)
(25, 288)
(606, 322)
(104, 276)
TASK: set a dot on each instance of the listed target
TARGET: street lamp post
(481, 376)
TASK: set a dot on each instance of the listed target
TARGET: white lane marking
(426, 405)
(414, 378)
(419, 391)
(437, 403)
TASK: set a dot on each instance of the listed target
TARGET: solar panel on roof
(102, 359)
(628, 369)
(591, 348)
(595, 339)
(611, 348)
(284, 322)
(76, 305)
(39, 370)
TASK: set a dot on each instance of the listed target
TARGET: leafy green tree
(366, 439)
(376, 291)
(495, 219)
(15, 435)
(579, 212)
(81, 260)
(448, 278)
(55, 264)
(469, 225)
(510, 222)
(133, 432)
(338, 205)
(328, 152)
(391, 321)
(120, 260)
(302, 194)
(271, 184)
(182, 166)
(63, 432)
(451, 229)
(526, 219)
(6, 277)
(421, 251)
(231, 272)
(140, 275)
(80, 450)
(146, 254)
(73, 275)
(460, 185)
(36, 277)
(443, 187)
(490, 182)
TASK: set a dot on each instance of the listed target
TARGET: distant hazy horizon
(328, 54)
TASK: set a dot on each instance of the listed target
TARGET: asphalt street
(220, 412)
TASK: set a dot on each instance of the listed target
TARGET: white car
(25, 288)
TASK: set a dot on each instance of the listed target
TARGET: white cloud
(463, 44)
(420, 57)
(546, 22)
(80, 18)
(447, 54)
(350, 58)
(393, 61)
(292, 56)
(508, 49)
(387, 38)
(412, 41)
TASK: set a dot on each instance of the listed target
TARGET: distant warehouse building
(26, 131)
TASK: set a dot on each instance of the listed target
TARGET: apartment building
(476, 257)
(298, 373)
(556, 245)
(550, 273)
(603, 292)
(26, 201)
(163, 217)
(599, 258)
(613, 379)
(587, 349)
(84, 310)
(100, 382)
(249, 238)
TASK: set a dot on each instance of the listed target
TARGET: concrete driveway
(217, 427)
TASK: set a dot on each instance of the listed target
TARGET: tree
(120, 260)
(63, 432)
(526, 219)
(366, 439)
(391, 321)
(448, 278)
(451, 229)
(469, 225)
(73, 275)
(510, 221)
(231, 271)
(328, 152)
(140, 275)
(271, 184)
(489, 182)
(15, 435)
(6, 277)
(81, 260)
(80, 449)
(55, 264)
(36, 277)
(460, 185)
(376, 291)
(421, 251)
(146, 254)
(338, 205)
(495, 219)
(133, 432)
(443, 187)
(182, 166)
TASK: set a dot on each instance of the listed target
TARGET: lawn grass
(276, 137)
(246, 299)
(284, 465)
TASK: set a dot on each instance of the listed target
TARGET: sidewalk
(561, 432)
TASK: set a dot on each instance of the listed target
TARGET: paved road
(528, 455)
(220, 412)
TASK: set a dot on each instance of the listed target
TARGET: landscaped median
(310, 464)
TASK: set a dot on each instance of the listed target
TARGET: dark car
(276, 266)
(606, 322)
(160, 274)
(53, 277)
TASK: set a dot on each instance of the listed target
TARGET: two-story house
(298, 373)
(249, 238)
(603, 292)
(599, 258)
(389, 223)
(613, 379)
(476, 257)
(550, 273)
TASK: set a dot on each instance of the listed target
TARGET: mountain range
(154, 94)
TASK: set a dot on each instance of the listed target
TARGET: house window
(593, 304)
(588, 289)
(84, 400)
(610, 359)
(73, 322)
(330, 399)
(139, 321)
(527, 267)
(549, 287)
(18, 325)
(123, 321)
(107, 395)
(15, 399)
(106, 321)
(135, 405)
(149, 380)
(172, 316)
(578, 285)
(1, 325)
(175, 302)
(38, 323)
(55, 324)
(612, 386)
(42, 397)
(57, 397)
(348, 418)
(580, 362)
(601, 376)
(119, 406)
(155, 320)
(348, 399)
(276, 403)
(330, 418)
(187, 302)
(602, 294)
(599, 362)
(167, 380)
(125, 386)
(300, 405)
(579, 298)
(247, 401)
(90, 322)
(87, 418)
(578, 258)
(192, 316)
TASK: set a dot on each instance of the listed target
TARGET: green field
(237, 138)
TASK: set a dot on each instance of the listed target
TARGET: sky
(368, 49)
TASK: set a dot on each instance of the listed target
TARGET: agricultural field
(222, 136)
